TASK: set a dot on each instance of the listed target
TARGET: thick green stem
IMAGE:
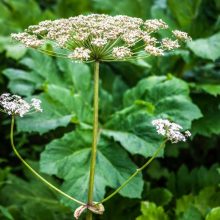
(95, 137)
(35, 172)
(134, 174)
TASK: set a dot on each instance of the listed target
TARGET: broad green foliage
(214, 214)
(69, 101)
(115, 7)
(4, 211)
(169, 97)
(185, 181)
(151, 212)
(37, 201)
(197, 207)
(12, 19)
(210, 123)
(65, 98)
(153, 97)
(160, 196)
(209, 88)
(187, 11)
(69, 159)
(208, 48)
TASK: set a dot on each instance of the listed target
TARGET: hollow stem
(95, 137)
(135, 173)
(34, 171)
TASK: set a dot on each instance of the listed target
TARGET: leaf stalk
(34, 171)
(135, 173)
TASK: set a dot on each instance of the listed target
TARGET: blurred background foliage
(184, 185)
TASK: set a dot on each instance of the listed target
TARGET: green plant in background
(97, 38)
(184, 172)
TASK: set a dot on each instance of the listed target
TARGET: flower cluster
(100, 37)
(15, 105)
(170, 130)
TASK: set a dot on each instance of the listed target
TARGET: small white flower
(187, 134)
(180, 35)
(99, 42)
(170, 130)
(155, 51)
(121, 52)
(80, 53)
(131, 37)
(155, 24)
(149, 40)
(169, 44)
(36, 104)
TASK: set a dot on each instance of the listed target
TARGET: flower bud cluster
(170, 130)
(102, 37)
(15, 105)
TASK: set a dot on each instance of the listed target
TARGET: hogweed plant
(97, 38)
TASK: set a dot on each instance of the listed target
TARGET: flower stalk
(35, 172)
(95, 138)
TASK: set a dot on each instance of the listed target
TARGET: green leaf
(153, 97)
(66, 98)
(210, 123)
(183, 204)
(138, 8)
(32, 200)
(169, 96)
(14, 51)
(12, 15)
(191, 214)
(74, 103)
(151, 212)
(214, 214)
(160, 196)
(207, 198)
(133, 130)
(208, 48)
(211, 89)
(69, 159)
(185, 181)
(184, 11)
(66, 8)
(6, 213)
(77, 76)
(44, 66)
(195, 207)
(22, 82)
(54, 115)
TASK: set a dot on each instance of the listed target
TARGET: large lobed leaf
(69, 159)
(208, 48)
(153, 97)
(151, 212)
(65, 97)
